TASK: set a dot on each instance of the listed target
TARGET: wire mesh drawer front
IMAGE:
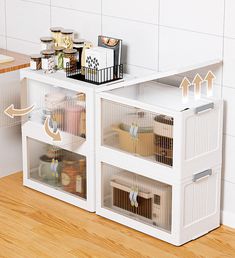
(65, 109)
(137, 197)
(57, 168)
(137, 131)
(202, 133)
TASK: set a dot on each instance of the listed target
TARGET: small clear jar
(48, 61)
(59, 58)
(35, 62)
(78, 44)
(67, 39)
(56, 35)
(47, 43)
(70, 58)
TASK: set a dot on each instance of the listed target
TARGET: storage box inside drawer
(66, 109)
(137, 131)
(57, 168)
(137, 197)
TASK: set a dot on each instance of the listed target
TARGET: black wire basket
(94, 76)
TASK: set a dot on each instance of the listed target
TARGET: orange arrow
(197, 81)
(55, 136)
(209, 78)
(12, 112)
(185, 88)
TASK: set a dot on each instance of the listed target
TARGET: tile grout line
(5, 10)
(222, 76)
(158, 40)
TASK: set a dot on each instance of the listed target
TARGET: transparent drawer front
(136, 197)
(138, 131)
(58, 168)
(66, 109)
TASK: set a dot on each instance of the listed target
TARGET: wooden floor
(34, 225)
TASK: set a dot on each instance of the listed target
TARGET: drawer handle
(201, 175)
(204, 108)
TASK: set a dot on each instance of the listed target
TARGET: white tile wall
(81, 5)
(229, 30)
(139, 10)
(27, 20)
(2, 42)
(181, 48)
(229, 62)
(87, 25)
(2, 18)
(137, 49)
(157, 35)
(197, 15)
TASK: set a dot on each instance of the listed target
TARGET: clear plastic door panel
(57, 168)
(136, 197)
(66, 109)
(137, 131)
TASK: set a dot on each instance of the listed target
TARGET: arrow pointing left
(12, 112)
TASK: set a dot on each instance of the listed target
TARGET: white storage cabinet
(158, 160)
(63, 169)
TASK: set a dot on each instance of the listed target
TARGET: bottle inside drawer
(57, 168)
(137, 197)
(65, 109)
(139, 132)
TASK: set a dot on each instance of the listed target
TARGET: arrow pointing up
(12, 112)
(209, 79)
(197, 81)
(185, 84)
(55, 136)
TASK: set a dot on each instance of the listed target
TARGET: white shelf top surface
(59, 78)
(160, 95)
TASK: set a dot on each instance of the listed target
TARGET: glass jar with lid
(78, 44)
(47, 43)
(59, 58)
(35, 62)
(67, 39)
(70, 58)
(56, 35)
(48, 61)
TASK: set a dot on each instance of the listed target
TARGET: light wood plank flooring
(35, 225)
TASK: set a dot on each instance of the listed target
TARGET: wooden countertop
(21, 61)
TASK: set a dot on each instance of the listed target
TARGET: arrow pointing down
(55, 136)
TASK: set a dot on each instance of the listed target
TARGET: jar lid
(70, 51)
(70, 162)
(79, 41)
(46, 39)
(56, 29)
(35, 56)
(57, 49)
(48, 52)
(67, 31)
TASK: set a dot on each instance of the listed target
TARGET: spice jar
(81, 179)
(56, 35)
(59, 58)
(67, 39)
(70, 170)
(78, 44)
(35, 62)
(48, 61)
(47, 43)
(70, 58)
